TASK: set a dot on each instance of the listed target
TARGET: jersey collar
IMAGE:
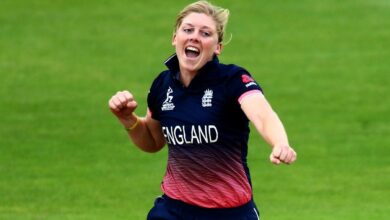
(206, 75)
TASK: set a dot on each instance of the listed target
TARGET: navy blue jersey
(206, 132)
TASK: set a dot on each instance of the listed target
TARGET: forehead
(199, 20)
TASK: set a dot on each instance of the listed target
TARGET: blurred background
(323, 65)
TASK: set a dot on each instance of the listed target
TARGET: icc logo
(167, 104)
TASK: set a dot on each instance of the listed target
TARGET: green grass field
(324, 66)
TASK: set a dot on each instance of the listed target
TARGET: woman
(200, 109)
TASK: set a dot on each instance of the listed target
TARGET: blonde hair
(218, 14)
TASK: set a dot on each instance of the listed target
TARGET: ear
(174, 39)
(218, 49)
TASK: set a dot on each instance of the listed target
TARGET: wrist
(131, 123)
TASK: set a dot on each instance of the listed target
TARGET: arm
(268, 124)
(145, 132)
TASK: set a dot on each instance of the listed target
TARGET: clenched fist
(283, 154)
(122, 105)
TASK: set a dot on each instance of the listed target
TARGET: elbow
(152, 149)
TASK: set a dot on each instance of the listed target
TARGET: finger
(127, 100)
(132, 104)
(122, 98)
(274, 159)
(294, 157)
(276, 151)
(112, 105)
(289, 157)
(127, 94)
(284, 153)
(117, 102)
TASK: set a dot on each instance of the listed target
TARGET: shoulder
(159, 83)
(232, 71)
(238, 80)
(164, 75)
(161, 79)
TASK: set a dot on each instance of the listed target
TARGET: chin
(192, 66)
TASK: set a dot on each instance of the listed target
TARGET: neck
(186, 77)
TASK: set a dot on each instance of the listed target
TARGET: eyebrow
(203, 27)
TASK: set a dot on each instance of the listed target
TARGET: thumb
(132, 104)
(275, 154)
(274, 160)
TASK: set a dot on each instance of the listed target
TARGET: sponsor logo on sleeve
(249, 81)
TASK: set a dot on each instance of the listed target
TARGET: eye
(206, 33)
(187, 30)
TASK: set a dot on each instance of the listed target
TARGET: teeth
(192, 49)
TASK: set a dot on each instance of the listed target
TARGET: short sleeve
(153, 100)
(242, 84)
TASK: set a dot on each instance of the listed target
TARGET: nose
(194, 37)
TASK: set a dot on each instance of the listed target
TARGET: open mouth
(192, 52)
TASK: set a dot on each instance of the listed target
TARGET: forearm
(266, 121)
(268, 124)
(141, 134)
(144, 132)
(273, 131)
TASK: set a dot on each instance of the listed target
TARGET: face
(196, 42)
